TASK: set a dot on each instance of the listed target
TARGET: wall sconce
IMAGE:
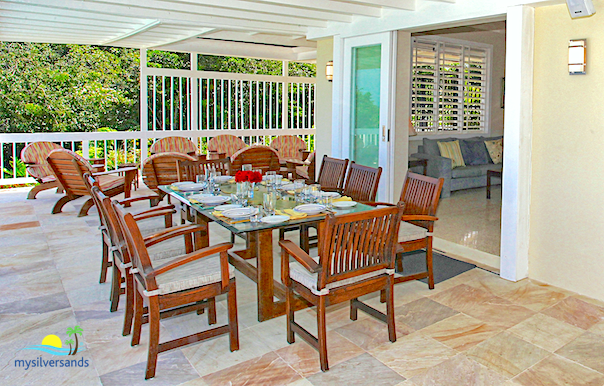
(329, 70)
(577, 57)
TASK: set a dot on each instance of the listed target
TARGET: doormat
(444, 267)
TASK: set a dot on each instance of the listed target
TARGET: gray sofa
(465, 177)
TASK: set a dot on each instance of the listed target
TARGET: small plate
(287, 187)
(344, 204)
(331, 194)
(240, 213)
(192, 187)
(265, 177)
(310, 209)
(223, 179)
(274, 219)
(213, 200)
(184, 183)
(222, 208)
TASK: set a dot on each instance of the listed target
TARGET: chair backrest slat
(332, 173)
(69, 168)
(362, 182)
(174, 145)
(358, 243)
(162, 169)
(188, 170)
(225, 144)
(289, 146)
(259, 156)
(36, 153)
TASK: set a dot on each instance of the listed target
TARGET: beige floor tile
(587, 349)
(268, 370)
(507, 354)
(546, 332)
(533, 296)
(597, 328)
(462, 297)
(305, 359)
(413, 354)
(363, 369)
(557, 371)
(460, 332)
(459, 371)
(370, 333)
(576, 312)
(499, 312)
(422, 313)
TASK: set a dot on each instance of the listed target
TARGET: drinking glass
(315, 193)
(269, 200)
(246, 167)
(298, 187)
(327, 201)
(258, 216)
(200, 179)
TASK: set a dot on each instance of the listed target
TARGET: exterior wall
(567, 193)
(323, 101)
(401, 118)
(497, 40)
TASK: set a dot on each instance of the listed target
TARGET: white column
(143, 104)
(336, 112)
(285, 96)
(194, 105)
(515, 211)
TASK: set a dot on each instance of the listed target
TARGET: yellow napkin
(217, 213)
(291, 192)
(343, 198)
(293, 215)
(174, 188)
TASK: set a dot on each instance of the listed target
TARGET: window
(450, 86)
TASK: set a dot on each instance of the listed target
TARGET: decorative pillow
(474, 152)
(451, 150)
(495, 149)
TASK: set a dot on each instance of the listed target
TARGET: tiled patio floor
(474, 329)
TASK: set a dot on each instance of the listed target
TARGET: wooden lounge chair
(224, 145)
(259, 156)
(174, 145)
(162, 169)
(70, 167)
(356, 257)
(290, 147)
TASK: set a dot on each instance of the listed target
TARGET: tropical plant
(16, 165)
(69, 342)
(75, 331)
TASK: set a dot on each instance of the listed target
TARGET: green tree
(75, 331)
(69, 342)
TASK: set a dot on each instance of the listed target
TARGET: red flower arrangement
(247, 175)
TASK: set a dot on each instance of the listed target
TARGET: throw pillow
(495, 149)
(474, 152)
(451, 150)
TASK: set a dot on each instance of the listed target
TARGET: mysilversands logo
(52, 344)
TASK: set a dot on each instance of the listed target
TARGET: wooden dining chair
(224, 145)
(107, 241)
(362, 182)
(259, 156)
(421, 195)
(162, 169)
(182, 282)
(188, 170)
(332, 174)
(356, 257)
(70, 167)
(174, 145)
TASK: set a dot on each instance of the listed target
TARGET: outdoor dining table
(259, 243)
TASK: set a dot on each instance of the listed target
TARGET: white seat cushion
(309, 280)
(195, 274)
(410, 232)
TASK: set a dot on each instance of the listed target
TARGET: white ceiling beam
(162, 7)
(169, 16)
(59, 26)
(180, 39)
(396, 4)
(132, 33)
(262, 38)
(332, 6)
(63, 13)
(20, 17)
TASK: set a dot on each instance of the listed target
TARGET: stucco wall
(323, 101)
(567, 193)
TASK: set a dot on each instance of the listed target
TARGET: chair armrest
(139, 198)
(122, 170)
(301, 257)
(418, 217)
(154, 212)
(171, 233)
(196, 255)
(370, 203)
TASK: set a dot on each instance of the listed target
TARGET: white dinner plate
(240, 213)
(331, 194)
(265, 177)
(287, 187)
(193, 187)
(223, 179)
(274, 219)
(184, 183)
(310, 209)
(214, 200)
(344, 204)
(221, 208)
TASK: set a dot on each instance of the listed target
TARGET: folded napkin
(293, 215)
(175, 188)
(218, 213)
(343, 198)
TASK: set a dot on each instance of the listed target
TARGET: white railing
(119, 147)
(188, 103)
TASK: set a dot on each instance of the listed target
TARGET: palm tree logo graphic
(51, 344)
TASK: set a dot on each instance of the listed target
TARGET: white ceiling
(274, 29)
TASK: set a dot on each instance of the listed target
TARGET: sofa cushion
(430, 146)
(495, 149)
(472, 171)
(451, 149)
(474, 152)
